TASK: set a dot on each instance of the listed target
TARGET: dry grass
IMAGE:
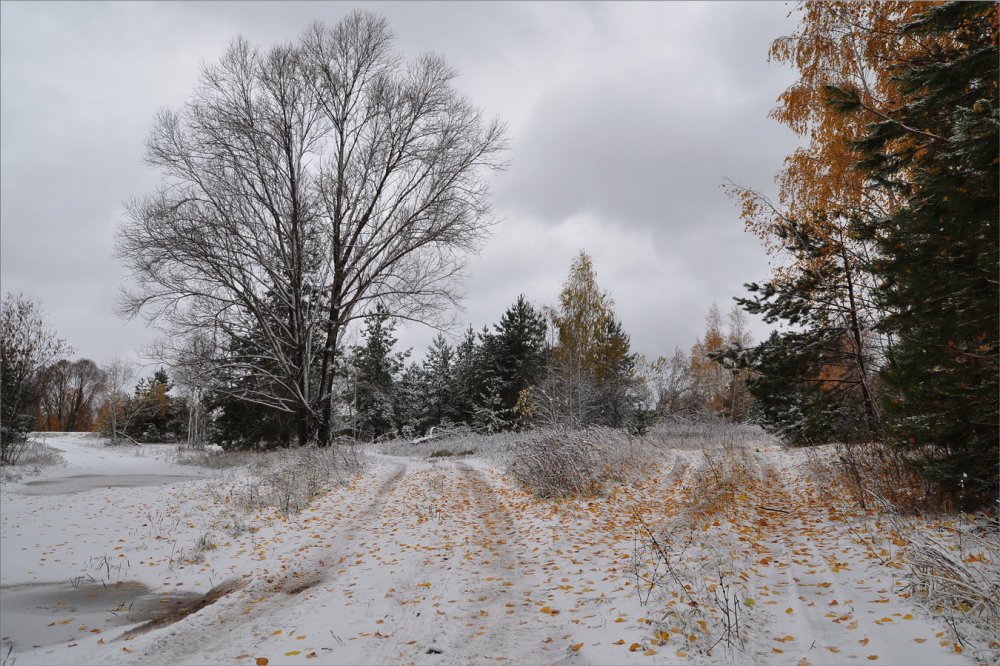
(691, 580)
(287, 481)
(566, 463)
(951, 561)
(952, 567)
(32, 455)
(876, 468)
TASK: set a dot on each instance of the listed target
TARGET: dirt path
(426, 568)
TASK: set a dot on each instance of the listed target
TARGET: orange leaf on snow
(650, 652)
(634, 647)
(576, 647)
(292, 653)
(872, 657)
(789, 610)
(262, 661)
(620, 641)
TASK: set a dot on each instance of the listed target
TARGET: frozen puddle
(43, 614)
(77, 483)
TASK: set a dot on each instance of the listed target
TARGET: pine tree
(410, 400)
(490, 414)
(466, 378)
(377, 368)
(936, 152)
(437, 384)
(518, 358)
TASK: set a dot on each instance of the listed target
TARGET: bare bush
(563, 463)
(288, 481)
(213, 458)
(876, 467)
(697, 590)
(30, 457)
(699, 432)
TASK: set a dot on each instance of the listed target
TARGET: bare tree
(67, 391)
(302, 186)
(27, 345)
(120, 407)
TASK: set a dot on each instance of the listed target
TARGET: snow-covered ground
(428, 561)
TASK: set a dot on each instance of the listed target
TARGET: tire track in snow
(211, 626)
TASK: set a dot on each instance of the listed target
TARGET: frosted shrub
(562, 463)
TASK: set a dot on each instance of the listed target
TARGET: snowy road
(426, 567)
(418, 561)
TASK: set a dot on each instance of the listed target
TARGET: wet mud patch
(176, 609)
(42, 614)
(78, 483)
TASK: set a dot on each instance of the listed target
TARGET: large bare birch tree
(301, 186)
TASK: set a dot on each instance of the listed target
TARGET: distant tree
(490, 415)
(119, 407)
(27, 345)
(518, 360)
(668, 382)
(67, 395)
(163, 417)
(467, 377)
(709, 379)
(437, 385)
(301, 185)
(411, 398)
(377, 368)
(591, 374)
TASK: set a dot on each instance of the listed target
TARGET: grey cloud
(626, 118)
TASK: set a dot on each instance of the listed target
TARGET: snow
(427, 561)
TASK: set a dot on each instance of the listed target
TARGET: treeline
(44, 390)
(887, 228)
(569, 365)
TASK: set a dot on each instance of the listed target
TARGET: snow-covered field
(443, 560)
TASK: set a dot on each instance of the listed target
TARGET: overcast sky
(626, 119)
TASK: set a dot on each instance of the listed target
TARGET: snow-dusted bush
(705, 431)
(30, 457)
(696, 595)
(953, 570)
(287, 481)
(562, 463)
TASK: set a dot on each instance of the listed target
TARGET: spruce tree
(518, 345)
(437, 384)
(377, 368)
(466, 378)
(936, 152)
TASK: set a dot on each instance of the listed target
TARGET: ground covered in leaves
(713, 557)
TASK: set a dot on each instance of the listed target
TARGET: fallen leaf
(576, 647)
